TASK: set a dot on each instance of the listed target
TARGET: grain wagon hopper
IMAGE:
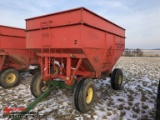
(13, 55)
(85, 45)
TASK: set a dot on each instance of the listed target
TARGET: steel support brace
(68, 68)
(46, 69)
(70, 82)
(76, 69)
(58, 55)
(2, 61)
(40, 59)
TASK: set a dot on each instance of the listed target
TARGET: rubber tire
(35, 85)
(158, 103)
(4, 73)
(32, 85)
(114, 79)
(80, 95)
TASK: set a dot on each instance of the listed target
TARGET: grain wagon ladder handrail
(43, 25)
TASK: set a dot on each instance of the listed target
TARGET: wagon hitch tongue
(34, 103)
(53, 84)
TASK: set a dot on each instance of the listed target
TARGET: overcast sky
(140, 18)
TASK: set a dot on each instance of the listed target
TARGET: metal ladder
(46, 40)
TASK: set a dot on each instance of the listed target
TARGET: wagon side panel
(21, 57)
(60, 37)
(11, 31)
(114, 49)
(101, 23)
(11, 37)
(55, 19)
(12, 42)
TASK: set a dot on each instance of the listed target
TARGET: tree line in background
(133, 53)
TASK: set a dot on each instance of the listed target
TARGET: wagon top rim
(11, 27)
(79, 8)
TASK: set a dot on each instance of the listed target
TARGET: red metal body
(13, 51)
(78, 39)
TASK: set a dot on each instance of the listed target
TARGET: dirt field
(151, 53)
(136, 101)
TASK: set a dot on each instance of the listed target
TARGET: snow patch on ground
(136, 100)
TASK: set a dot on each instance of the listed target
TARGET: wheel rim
(119, 79)
(43, 86)
(10, 78)
(56, 71)
(89, 96)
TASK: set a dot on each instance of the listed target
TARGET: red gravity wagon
(85, 45)
(13, 55)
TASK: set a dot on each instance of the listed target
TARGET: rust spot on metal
(95, 59)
